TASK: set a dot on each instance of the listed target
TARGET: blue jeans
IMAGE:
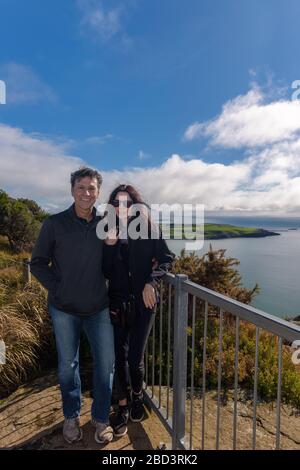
(99, 331)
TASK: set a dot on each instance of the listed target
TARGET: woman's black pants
(130, 344)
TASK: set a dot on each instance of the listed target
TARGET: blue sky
(118, 85)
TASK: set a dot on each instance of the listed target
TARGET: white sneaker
(104, 432)
(71, 430)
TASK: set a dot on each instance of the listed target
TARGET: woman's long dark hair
(136, 199)
(130, 190)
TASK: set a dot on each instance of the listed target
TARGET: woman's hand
(112, 237)
(149, 296)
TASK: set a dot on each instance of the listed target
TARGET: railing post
(179, 361)
(26, 270)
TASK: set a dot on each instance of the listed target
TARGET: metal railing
(176, 334)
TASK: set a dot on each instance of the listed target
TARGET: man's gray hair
(83, 172)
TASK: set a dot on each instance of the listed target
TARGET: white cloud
(267, 132)
(23, 86)
(143, 156)
(249, 121)
(266, 178)
(99, 140)
(101, 22)
(33, 167)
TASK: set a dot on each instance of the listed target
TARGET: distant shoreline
(220, 231)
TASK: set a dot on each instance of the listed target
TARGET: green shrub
(267, 362)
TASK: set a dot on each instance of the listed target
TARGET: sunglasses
(117, 203)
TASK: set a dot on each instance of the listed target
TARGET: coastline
(220, 231)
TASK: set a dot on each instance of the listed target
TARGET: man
(77, 300)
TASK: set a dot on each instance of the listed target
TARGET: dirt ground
(31, 418)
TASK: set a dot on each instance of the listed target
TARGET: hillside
(218, 231)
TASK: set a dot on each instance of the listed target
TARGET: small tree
(35, 209)
(20, 220)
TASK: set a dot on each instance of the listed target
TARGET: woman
(132, 266)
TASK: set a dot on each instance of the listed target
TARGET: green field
(216, 231)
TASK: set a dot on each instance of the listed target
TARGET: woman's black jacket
(142, 254)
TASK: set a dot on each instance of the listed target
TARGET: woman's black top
(128, 267)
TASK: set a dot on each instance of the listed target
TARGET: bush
(267, 362)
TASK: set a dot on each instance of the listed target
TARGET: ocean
(272, 262)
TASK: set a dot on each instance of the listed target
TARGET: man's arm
(42, 256)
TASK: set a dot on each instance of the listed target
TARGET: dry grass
(26, 330)
(11, 273)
